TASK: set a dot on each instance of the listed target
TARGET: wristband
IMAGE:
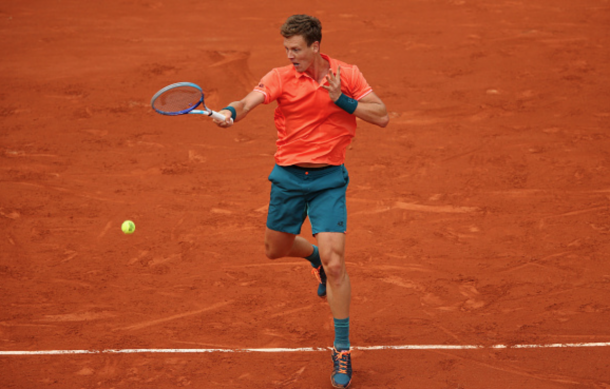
(346, 103)
(233, 112)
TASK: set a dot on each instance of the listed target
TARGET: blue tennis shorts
(298, 193)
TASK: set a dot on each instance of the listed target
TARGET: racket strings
(179, 99)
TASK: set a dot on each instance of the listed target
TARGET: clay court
(479, 219)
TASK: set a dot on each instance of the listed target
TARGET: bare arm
(242, 108)
(370, 108)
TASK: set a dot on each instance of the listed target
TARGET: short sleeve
(358, 86)
(270, 86)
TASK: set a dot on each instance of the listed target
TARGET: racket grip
(217, 116)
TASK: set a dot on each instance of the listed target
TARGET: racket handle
(217, 116)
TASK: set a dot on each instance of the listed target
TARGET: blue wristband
(233, 112)
(346, 103)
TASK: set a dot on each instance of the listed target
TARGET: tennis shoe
(341, 376)
(321, 276)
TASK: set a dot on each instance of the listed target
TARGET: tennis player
(318, 101)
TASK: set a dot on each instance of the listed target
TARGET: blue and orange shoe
(321, 276)
(341, 376)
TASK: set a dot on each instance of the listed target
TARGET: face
(301, 55)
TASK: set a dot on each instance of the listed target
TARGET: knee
(272, 252)
(335, 272)
(334, 266)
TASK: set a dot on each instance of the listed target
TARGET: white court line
(306, 349)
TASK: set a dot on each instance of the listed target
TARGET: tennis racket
(182, 98)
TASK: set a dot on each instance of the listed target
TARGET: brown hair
(309, 27)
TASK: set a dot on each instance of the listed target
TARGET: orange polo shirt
(310, 127)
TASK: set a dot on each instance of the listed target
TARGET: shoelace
(341, 359)
(316, 273)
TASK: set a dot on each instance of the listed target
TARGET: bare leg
(282, 244)
(332, 253)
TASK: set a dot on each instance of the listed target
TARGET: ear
(315, 47)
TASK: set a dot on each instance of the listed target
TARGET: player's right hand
(228, 122)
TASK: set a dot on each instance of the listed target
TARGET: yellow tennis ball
(128, 227)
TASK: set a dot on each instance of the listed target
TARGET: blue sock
(314, 258)
(342, 334)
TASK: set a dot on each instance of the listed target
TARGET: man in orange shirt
(319, 99)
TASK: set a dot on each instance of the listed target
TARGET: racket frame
(191, 110)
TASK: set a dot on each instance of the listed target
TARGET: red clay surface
(480, 216)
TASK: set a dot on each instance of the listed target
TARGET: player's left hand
(334, 84)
